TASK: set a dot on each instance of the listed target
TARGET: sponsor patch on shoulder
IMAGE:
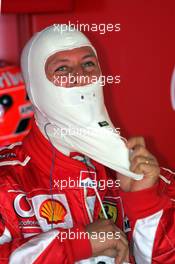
(7, 155)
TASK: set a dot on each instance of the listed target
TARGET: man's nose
(78, 70)
(79, 77)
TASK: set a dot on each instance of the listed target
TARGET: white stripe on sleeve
(143, 236)
(5, 237)
(31, 250)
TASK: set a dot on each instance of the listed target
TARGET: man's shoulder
(11, 153)
(11, 157)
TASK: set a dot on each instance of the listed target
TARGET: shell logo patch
(111, 211)
(53, 211)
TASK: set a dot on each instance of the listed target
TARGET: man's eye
(89, 64)
(61, 68)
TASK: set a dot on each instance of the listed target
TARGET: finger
(125, 258)
(121, 243)
(132, 142)
(118, 235)
(118, 230)
(123, 239)
(123, 255)
(117, 260)
(140, 151)
(121, 260)
(141, 159)
(122, 234)
(147, 170)
(110, 253)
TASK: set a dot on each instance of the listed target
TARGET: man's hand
(142, 162)
(107, 240)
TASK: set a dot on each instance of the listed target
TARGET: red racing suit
(47, 199)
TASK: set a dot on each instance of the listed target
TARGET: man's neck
(57, 140)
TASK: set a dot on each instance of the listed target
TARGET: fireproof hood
(78, 116)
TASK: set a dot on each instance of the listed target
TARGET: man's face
(74, 67)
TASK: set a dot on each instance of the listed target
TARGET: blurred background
(142, 53)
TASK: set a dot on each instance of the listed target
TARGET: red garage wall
(143, 54)
(8, 37)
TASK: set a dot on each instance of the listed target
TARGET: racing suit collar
(41, 152)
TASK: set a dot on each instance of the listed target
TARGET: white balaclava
(78, 117)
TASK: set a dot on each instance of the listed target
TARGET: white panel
(31, 250)
(5, 237)
(143, 236)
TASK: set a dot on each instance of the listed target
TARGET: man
(55, 192)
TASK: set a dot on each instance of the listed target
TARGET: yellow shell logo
(53, 211)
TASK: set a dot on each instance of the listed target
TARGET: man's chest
(36, 203)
